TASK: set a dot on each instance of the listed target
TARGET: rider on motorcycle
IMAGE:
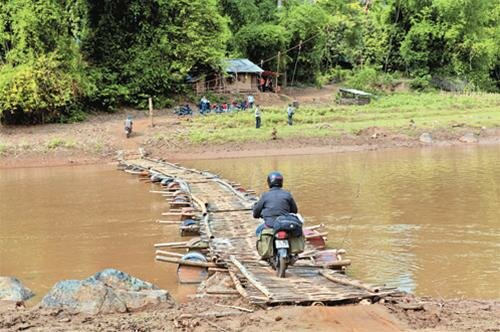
(273, 203)
(128, 124)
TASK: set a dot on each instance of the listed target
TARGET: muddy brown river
(424, 220)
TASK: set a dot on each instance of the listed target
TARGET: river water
(424, 220)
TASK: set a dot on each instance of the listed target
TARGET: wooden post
(277, 72)
(150, 102)
(236, 83)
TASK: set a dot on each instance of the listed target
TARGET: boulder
(83, 296)
(12, 289)
(108, 291)
(425, 138)
(121, 280)
(468, 138)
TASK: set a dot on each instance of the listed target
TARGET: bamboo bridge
(226, 229)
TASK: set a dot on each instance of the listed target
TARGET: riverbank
(209, 314)
(320, 127)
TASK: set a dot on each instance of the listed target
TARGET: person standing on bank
(290, 111)
(257, 116)
(251, 101)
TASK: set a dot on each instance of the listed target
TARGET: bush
(73, 116)
(366, 78)
(37, 92)
(333, 75)
(421, 83)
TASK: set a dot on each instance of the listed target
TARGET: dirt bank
(101, 138)
(211, 314)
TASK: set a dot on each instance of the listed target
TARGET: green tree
(444, 37)
(148, 47)
(41, 67)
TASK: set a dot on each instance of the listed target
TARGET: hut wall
(243, 83)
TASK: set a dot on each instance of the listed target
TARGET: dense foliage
(60, 56)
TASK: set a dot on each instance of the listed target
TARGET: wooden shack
(240, 76)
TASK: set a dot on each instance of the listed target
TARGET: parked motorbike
(281, 244)
(128, 131)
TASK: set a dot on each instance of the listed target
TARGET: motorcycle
(128, 131)
(281, 244)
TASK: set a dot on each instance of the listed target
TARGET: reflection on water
(427, 221)
(70, 222)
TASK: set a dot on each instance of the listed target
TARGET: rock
(83, 296)
(121, 280)
(365, 302)
(425, 138)
(143, 299)
(108, 291)
(468, 138)
(12, 289)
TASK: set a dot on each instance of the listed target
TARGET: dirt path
(345, 318)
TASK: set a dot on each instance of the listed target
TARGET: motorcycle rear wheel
(281, 267)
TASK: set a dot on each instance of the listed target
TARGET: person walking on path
(251, 101)
(257, 117)
(290, 111)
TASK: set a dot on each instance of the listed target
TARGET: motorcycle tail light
(281, 235)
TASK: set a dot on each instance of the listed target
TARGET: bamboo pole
(250, 277)
(312, 236)
(223, 292)
(202, 204)
(168, 253)
(168, 222)
(312, 228)
(234, 307)
(210, 314)
(207, 226)
(184, 262)
(347, 282)
(217, 270)
(341, 263)
(238, 285)
(170, 244)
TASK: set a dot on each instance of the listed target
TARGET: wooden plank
(250, 277)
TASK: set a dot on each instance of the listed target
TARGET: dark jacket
(274, 203)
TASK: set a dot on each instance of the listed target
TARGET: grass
(57, 142)
(428, 111)
(3, 148)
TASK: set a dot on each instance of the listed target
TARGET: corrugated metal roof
(356, 92)
(242, 66)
